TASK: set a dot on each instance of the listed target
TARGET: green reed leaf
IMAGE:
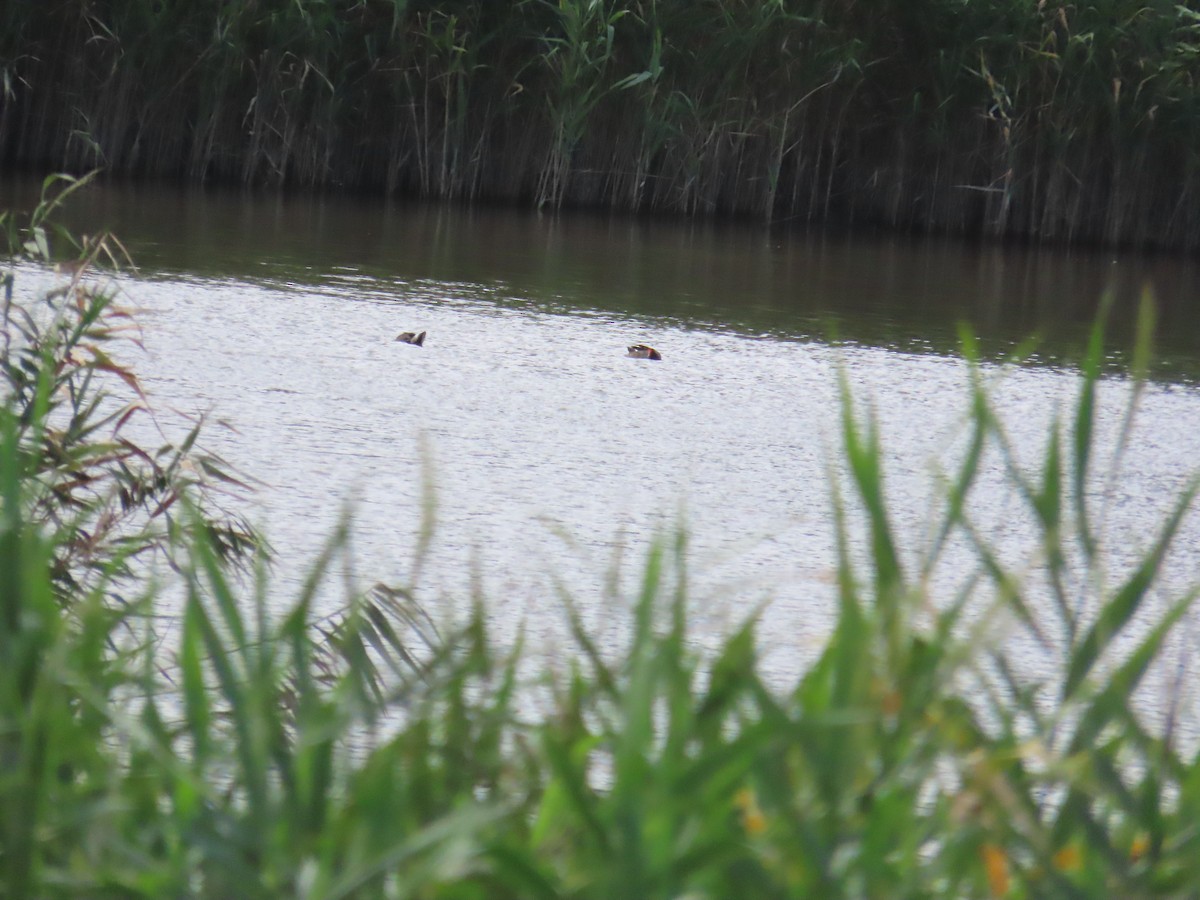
(1118, 611)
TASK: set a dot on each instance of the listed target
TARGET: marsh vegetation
(1050, 121)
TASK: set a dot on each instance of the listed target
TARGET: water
(553, 455)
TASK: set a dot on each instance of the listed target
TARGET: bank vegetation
(1049, 120)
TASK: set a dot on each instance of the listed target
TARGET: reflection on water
(551, 451)
(902, 293)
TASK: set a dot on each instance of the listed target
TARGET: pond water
(554, 456)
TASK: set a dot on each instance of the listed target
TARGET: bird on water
(642, 351)
(411, 337)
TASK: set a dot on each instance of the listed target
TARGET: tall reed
(1052, 121)
(108, 496)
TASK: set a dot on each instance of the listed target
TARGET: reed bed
(1050, 121)
(366, 755)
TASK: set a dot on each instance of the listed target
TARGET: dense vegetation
(186, 743)
(1052, 120)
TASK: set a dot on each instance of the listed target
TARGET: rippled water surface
(553, 454)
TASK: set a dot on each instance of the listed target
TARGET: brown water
(553, 454)
(895, 292)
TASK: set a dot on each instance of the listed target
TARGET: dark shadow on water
(902, 293)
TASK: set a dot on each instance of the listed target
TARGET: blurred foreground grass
(371, 756)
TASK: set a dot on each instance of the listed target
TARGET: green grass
(258, 755)
(1050, 121)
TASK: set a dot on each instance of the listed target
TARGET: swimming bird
(411, 337)
(641, 351)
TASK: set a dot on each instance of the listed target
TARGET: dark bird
(641, 351)
(411, 337)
